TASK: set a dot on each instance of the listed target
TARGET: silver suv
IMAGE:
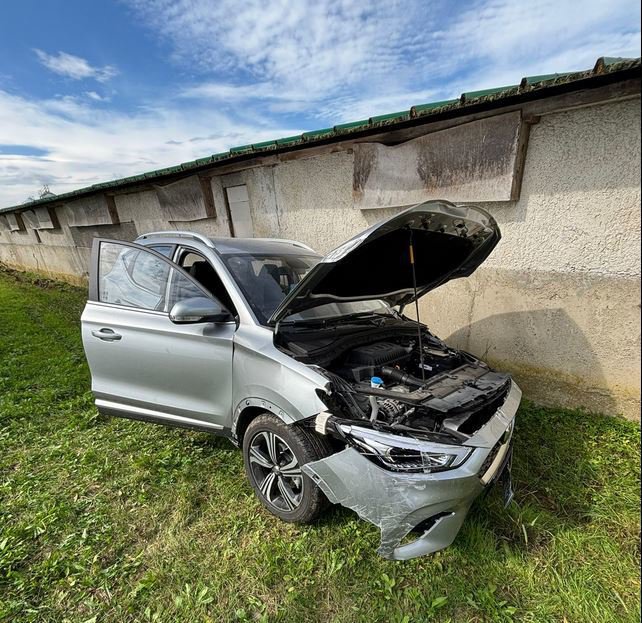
(309, 364)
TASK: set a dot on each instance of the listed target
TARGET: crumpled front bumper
(435, 503)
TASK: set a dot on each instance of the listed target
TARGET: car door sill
(107, 407)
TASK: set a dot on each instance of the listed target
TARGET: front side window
(207, 276)
(149, 273)
(134, 277)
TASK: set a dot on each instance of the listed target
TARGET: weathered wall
(557, 303)
(64, 252)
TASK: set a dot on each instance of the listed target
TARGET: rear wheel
(273, 453)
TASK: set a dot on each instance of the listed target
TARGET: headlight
(403, 454)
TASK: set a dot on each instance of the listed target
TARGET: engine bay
(389, 378)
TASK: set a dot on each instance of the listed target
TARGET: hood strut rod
(414, 287)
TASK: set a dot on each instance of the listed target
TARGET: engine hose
(401, 377)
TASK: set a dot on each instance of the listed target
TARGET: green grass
(112, 520)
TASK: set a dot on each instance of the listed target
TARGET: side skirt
(115, 409)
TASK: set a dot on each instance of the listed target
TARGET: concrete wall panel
(185, 200)
(540, 326)
(558, 300)
(139, 207)
(46, 218)
(30, 219)
(83, 237)
(96, 209)
(67, 263)
(15, 222)
(314, 196)
(477, 161)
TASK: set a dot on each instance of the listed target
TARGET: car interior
(203, 272)
(265, 281)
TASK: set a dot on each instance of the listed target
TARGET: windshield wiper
(362, 316)
(332, 320)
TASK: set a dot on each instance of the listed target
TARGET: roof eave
(606, 71)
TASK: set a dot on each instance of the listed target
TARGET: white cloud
(85, 144)
(75, 67)
(97, 97)
(348, 57)
(234, 92)
(304, 51)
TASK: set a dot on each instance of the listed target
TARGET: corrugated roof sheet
(496, 96)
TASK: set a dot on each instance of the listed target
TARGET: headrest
(272, 269)
(201, 270)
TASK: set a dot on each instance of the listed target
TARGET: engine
(397, 367)
(366, 361)
(398, 363)
(385, 375)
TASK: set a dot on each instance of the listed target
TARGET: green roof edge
(603, 66)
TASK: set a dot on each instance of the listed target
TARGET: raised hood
(449, 241)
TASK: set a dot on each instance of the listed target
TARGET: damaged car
(310, 365)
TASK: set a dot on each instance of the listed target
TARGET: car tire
(273, 453)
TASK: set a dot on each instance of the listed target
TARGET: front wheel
(273, 453)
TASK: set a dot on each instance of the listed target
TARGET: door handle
(107, 335)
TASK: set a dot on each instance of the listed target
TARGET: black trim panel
(219, 432)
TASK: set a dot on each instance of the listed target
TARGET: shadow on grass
(561, 474)
(555, 475)
(554, 471)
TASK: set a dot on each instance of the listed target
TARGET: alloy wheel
(276, 471)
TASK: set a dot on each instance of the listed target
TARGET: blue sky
(91, 91)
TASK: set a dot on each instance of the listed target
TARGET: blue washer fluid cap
(376, 382)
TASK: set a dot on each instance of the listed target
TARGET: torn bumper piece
(435, 504)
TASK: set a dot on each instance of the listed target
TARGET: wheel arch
(250, 408)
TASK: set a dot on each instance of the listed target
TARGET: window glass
(136, 278)
(164, 249)
(182, 288)
(266, 279)
(203, 272)
(149, 273)
(188, 258)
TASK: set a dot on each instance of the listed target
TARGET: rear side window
(134, 277)
(164, 249)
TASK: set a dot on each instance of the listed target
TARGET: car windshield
(265, 280)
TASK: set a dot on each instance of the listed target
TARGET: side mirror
(199, 309)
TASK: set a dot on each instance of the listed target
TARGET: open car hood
(449, 241)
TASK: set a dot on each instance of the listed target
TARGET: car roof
(231, 246)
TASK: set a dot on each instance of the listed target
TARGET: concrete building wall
(557, 303)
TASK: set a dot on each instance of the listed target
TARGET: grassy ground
(112, 520)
